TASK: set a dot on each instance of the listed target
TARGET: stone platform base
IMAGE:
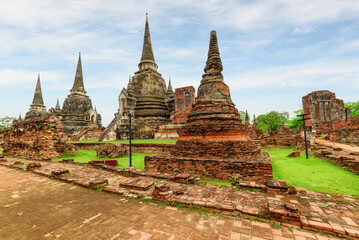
(257, 170)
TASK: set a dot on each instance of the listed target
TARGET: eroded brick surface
(325, 212)
(80, 213)
(214, 143)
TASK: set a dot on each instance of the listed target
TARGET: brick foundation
(258, 170)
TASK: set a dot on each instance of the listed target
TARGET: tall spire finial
(129, 79)
(147, 59)
(38, 101)
(78, 86)
(214, 62)
(169, 89)
(57, 107)
(247, 117)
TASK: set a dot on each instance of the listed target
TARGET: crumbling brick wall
(42, 137)
(284, 137)
(87, 134)
(340, 131)
(257, 170)
(184, 98)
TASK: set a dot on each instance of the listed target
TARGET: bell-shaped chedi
(77, 113)
(37, 108)
(214, 143)
(146, 98)
(214, 128)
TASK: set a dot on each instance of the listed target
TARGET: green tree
(6, 122)
(242, 114)
(354, 107)
(271, 121)
(296, 121)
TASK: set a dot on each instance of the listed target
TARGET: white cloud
(14, 77)
(339, 72)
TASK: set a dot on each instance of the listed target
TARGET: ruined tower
(77, 112)
(146, 98)
(214, 143)
(37, 108)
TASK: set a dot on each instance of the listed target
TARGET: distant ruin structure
(37, 108)
(77, 113)
(329, 117)
(214, 143)
(184, 99)
(323, 106)
(146, 98)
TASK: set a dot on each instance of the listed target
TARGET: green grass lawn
(123, 162)
(313, 173)
(158, 141)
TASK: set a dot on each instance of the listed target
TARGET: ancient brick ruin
(284, 137)
(214, 143)
(146, 98)
(329, 117)
(77, 112)
(184, 99)
(38, 138)
(87, 134)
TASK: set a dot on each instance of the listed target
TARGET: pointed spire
(214, 63)
(58, 105)
(129, 79)
(19, 119)
(38, 101)
(169, 89)
(78, 86)
(147, 59)
(247, 117)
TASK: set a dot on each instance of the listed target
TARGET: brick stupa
(214, 143)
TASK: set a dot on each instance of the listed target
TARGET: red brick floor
(36, 207)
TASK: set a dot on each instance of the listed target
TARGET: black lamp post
(305, 132)
(130, 118)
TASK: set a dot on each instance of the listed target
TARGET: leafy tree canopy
(354, 107)
(6, 122)
(295, 122)
(271, 121)
(242, 114)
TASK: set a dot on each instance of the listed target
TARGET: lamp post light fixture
(130, 118)
(305, 131)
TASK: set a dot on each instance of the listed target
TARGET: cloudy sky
(273, 51)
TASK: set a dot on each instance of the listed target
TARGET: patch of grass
(218, 182)
(80, 156)
(276, 226)
(137, 160)
(157, 141)
(123, 162)
(313, 174)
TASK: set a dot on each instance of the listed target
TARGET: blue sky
(273, 51)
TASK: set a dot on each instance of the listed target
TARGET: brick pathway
(35, 207)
